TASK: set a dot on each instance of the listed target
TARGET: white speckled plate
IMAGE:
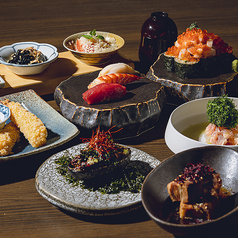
(60, 130)
(54, 187)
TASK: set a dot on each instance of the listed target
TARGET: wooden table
(23, 212)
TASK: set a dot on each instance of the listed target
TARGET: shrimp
(221, 135)
(122, 79)
(29, 124)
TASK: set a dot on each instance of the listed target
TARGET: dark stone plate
(136, 113)
(182, 90)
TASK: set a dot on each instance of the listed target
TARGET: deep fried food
(29, 124)
(9, 135)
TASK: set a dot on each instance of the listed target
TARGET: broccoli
(221, 111)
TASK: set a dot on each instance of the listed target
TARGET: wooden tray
(45, 83)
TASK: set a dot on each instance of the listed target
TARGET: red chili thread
(101, 141)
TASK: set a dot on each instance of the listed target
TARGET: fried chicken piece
(29, 124)
(9, 135)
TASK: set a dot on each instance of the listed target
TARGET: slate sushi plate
(181, 90)
(134, 114)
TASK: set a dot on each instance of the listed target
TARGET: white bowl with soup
(187, 123)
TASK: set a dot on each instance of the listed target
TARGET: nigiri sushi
(117, 68)
(118, 78)
(104, 92)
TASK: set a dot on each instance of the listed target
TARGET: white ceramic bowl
(184, 116)
(92, 58)
(48, 50)
(4, 115)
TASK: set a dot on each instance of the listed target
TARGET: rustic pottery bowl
(4, 115)
(92, 58)
(185, 117)
(155, 195)
(46, 49)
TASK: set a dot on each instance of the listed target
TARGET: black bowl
(155, 194)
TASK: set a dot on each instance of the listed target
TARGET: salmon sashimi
(104, 92)
(118, 78)
(221, 135)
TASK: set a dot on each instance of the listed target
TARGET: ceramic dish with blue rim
(49, 51)
(53, 186)
(4, 115)
(59, 129)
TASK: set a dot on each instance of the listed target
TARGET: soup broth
(195, 132)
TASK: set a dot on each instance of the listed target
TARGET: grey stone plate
(60, 130)
(54, 188)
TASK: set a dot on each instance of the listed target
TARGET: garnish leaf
(222, 112)
(100, 37)
(87, 36)
(194, 25)
(93, 34)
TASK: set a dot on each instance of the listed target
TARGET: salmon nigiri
(118, 78)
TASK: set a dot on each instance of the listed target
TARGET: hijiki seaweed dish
(105, 158)
(197, 53)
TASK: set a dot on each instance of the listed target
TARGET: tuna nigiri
(104, 92)
(118, 78)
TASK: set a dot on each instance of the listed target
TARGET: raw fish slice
(104, 92)
(117, 68)
(221, 135)
(122, 79)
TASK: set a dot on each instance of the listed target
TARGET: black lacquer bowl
(155, 195)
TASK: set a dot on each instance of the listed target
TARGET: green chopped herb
(221, 111)
(130, 179)
(63, 170)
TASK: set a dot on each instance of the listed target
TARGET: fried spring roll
(29, 124)
(9, 135)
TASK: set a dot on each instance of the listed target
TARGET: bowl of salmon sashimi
(94, 47)
(203, 122)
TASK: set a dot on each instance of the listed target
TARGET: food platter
(59, 129)
(136, 113)
(183, 90)
(55, 189)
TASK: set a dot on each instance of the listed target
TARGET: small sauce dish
(4, 115)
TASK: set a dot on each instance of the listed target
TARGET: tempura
(9, 135)
(29, 124)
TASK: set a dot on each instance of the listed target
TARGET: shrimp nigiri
(104, 92)
(122, 79)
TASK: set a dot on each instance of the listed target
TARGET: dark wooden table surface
(23, 212)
